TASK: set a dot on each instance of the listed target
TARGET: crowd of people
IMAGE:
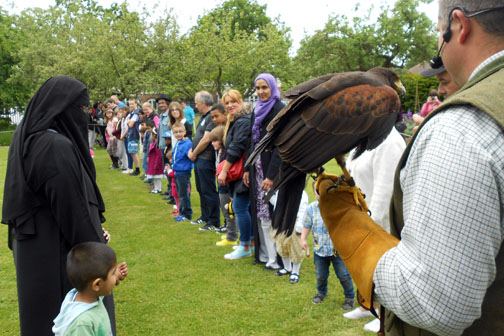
(226, 133)
(436, 269)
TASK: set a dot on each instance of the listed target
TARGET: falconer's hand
(359, 241)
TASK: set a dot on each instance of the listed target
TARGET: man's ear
(461, 25)
(96, 284)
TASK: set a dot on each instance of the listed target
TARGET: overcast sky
(302, 16)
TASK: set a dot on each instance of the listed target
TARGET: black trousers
(209, 197)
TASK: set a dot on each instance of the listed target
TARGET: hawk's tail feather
(290, 192)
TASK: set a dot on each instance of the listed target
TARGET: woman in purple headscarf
(259, 177)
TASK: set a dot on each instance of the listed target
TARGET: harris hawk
(326, 118)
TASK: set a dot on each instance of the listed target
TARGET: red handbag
(235, 172)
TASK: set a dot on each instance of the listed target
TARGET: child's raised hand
(121, 272)
(106, 234)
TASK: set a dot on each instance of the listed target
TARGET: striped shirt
(322, 244)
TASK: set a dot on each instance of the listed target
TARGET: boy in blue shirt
(324, 255)
(182, 166)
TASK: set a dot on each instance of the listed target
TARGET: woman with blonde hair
(150, 113)
(236, 142)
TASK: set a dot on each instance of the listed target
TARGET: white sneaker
(373, 326)
(238, 253)
(357, 313)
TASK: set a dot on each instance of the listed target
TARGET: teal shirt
(94, 321)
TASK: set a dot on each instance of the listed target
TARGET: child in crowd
(324, 255)
(230, 226)
(150, 113)
(121, 146)
(289, 248)
(176, 115)
(219, 115)
(147, 125)
(182, 167)
(93, 271)
(111, 122)
(124, 132)
(167, 154)
(141, 131)
(155, 164)
(173, 193)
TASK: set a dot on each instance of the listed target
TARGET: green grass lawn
(179, 282)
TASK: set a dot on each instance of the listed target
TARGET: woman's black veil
(56, 105)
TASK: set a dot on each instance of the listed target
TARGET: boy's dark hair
(150, 123)
(89, 261)
(125, 108)
(219, 107)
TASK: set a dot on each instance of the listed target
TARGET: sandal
(281, 272)
(294, 278)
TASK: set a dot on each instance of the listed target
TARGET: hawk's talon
(334, 186)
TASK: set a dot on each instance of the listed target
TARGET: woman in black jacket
(261, 175)
(236, 142)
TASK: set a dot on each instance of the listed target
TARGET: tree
(400, 37)
(246, 15)
(222, 51)
(11, 94)
(109, 49)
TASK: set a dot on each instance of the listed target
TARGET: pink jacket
(155, 166)
(428, 107)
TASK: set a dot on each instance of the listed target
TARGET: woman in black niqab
(51, 200)
(56, 105)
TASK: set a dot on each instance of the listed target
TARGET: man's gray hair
(491, 22)
(205, 97)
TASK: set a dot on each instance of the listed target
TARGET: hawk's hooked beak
(401, 90)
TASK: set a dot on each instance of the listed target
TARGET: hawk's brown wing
(318, 130)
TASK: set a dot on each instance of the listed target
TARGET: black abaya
(51, 200)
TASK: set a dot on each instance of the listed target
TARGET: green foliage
(412, 82)
(11, 94)
(105, 48)
(221, 57)
(246, 15)
(401, 37)
(6, 131)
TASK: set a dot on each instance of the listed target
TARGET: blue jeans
(204, 172)
(145, 165)
(322, 274)
(241, 207)
(182, 182)
(130, 158)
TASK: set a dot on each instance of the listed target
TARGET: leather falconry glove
(359, 241)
